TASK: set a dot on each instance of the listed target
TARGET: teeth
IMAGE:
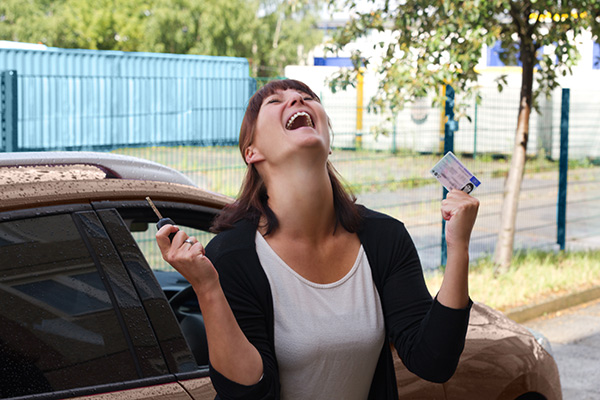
(299, 114)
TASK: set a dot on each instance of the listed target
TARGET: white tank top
(328, 337)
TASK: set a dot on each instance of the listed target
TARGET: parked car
(89, 309)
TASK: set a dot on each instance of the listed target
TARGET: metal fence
(387, 168)
(86, 99)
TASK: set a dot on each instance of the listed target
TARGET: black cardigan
(428, 336)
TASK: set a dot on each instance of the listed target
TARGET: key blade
(158, 214)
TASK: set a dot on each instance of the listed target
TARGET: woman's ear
(252, 155)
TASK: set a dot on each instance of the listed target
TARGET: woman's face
(290, 122)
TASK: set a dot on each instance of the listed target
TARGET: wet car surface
(89, 311)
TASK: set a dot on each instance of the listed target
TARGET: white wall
(496, 116)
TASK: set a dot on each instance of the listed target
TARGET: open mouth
(299, 120)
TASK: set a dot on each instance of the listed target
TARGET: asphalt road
(575, 337)
(536, 220)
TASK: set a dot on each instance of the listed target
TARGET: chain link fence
(386, 163)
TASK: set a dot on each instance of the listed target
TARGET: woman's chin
(308, 137)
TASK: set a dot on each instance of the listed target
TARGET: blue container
(89, 99)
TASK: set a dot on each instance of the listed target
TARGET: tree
(436, 42)
(270, 33)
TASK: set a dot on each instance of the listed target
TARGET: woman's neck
(302, 200)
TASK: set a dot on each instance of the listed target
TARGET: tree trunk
(512, 185)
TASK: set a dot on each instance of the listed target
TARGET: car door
(71, 321)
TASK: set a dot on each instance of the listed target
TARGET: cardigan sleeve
(249, 302)
(428, 336)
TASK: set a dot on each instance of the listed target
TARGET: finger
(189, 242)
(178, 240)
(446, 215)
(455, 194)
(201, 249)
(162, 237)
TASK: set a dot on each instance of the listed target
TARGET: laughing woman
(303, 290)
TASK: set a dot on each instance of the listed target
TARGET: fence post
(9, 117)
(449, 127)
(563, 167)
(475, 132)
(359, 108)
(394, 132)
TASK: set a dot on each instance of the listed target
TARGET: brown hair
(252, 202)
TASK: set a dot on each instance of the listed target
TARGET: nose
(296, 98)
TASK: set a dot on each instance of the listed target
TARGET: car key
(161, 221)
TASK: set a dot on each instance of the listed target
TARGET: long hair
(252, 202)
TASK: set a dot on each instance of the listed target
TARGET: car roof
(115, 165)
(33, 179)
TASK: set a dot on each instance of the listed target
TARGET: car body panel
(500, 349)
(13, 196)
(171, 391)
(411, 386)
(199, 389)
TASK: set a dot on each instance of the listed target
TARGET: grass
(535, 275)
(221, 168)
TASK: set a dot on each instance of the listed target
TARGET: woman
(311, 288)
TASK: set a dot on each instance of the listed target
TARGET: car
(90, 310)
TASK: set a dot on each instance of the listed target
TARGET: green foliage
(435, 42)
(270, 33)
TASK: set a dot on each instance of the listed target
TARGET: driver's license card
(452, 174)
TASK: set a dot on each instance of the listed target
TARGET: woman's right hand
(186, 254)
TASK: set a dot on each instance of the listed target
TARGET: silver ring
(188, 240)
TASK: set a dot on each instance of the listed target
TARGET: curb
(529, 312)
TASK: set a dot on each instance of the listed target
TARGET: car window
(58, 327)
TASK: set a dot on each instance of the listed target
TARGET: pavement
(574, 335)
(551, 305)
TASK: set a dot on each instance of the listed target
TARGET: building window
(334, 61)
(494, 52)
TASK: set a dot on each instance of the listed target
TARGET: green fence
(387, 165)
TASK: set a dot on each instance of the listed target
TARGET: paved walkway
(575, 337)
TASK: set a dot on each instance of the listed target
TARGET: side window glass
(58, 328)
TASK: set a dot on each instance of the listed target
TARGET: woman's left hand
(459, 209)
